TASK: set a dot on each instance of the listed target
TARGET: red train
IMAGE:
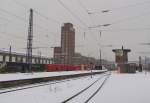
(12, 67)
(60, 67)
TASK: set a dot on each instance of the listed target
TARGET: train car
(53, 67)
(12, 67)
(77, 67)
(60, 67)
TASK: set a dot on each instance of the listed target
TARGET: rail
(80, 92)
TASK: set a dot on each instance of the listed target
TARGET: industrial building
(6, 56)
(121, 58)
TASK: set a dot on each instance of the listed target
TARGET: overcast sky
(129, 21)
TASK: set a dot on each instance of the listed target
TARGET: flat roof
(126, 50)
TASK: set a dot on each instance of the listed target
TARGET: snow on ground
(125, 88)
(18, 76)
(54, 93)
(119, 88)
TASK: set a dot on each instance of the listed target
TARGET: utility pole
(140, 64)
(145, 65)
(29, 41)
(10, 54)
(100, 58)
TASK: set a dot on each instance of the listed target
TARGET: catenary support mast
(29, 41)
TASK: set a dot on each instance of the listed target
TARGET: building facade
(67, 43)
(57, 55)
(121, 59)
(6, 56)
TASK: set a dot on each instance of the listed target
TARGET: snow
(125, 88)
(54, 93)
(119, 88)
(20, 76)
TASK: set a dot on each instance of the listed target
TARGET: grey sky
(129, 19)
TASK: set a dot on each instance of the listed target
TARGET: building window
(1, 58)
(13, 59)
(7, 58)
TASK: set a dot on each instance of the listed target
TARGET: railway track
(37, 85)
(85, 95)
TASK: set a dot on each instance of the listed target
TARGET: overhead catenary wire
(132, 5)
(42, 15)
(7, 20)
(22, 39)
(36, 11)
(90, 20)
(127, 19)
(56, 21)
(89, 16)
(120, 8)
(46, 18)
(25, 20)
(12, 14)
(74, 15)
(130, 18)
(84, 8)
(14, 36)
(22, 19)
(11, 35)
(126, 29)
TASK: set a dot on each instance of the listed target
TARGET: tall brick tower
(67, 43)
